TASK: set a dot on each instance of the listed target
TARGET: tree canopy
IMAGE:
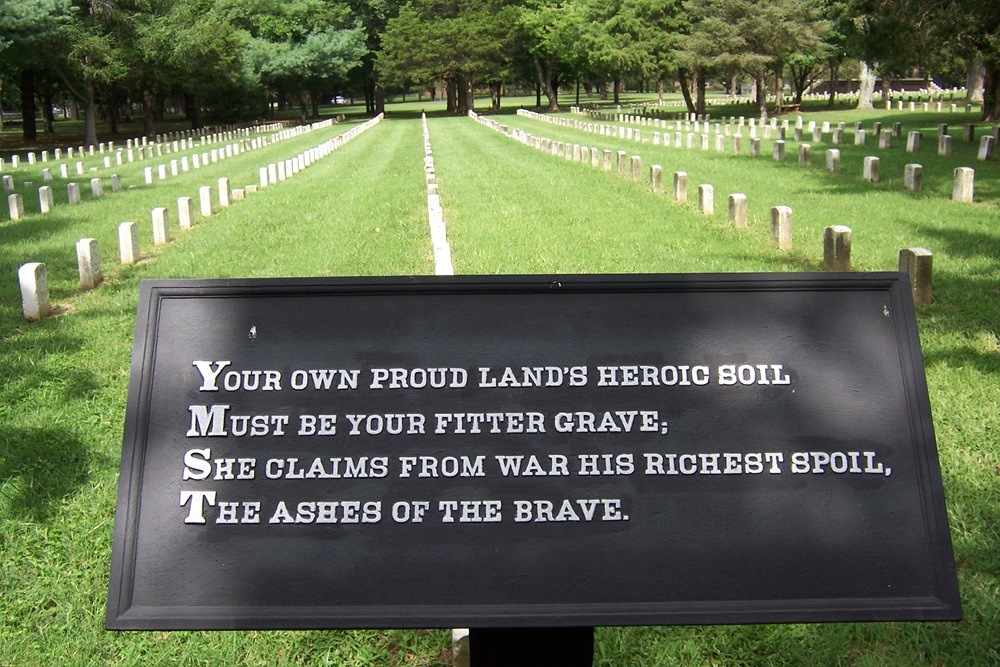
(226, 60)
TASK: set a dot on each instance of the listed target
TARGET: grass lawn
(509, 209)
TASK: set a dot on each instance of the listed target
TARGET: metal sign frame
(737, 448)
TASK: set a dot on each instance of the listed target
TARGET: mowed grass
(509, 209)
(597, 221)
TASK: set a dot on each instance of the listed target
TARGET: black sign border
(121, 614)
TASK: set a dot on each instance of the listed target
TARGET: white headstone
(34, 291)
(680, 186)
(15, 203)
(225, 192)
(918, 263)
(205, 200)
(964, 185)
(738, 210)
(986, 144)
(781, 226)
(161, 226)
(88, 258)
(45, 202)
(779, 150)
(128, 242)
(185, 212)
(870, 171)
(913, 177)
(706, 199)
(833, 160)
(837, 248)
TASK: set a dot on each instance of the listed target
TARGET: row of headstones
(35, 301)
(836, 238)
(703, 124)
(174, 141)
(435, 213)
(964, 177)
(900, 99)
(46, 202)
(899, 105)
(242, 145)
(45, 195)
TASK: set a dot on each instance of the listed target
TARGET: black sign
(528, 451)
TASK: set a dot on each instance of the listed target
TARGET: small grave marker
(706, 199)
(128, 242)
(185, 212)
(837, 248)
(918, 264)
(964, 185)
(913, 177)
(161, 226)
(34, 291)
(88, 258)
(781, 226)
(15, 204)
(738, 210)
(871, 169)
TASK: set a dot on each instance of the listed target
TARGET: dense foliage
(224, 60)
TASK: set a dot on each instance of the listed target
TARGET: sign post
(528, 452)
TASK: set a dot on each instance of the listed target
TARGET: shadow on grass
(39, 467)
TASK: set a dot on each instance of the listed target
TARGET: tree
(29, 30)
(757, 38)
(318, 63)
(457, 42)
(550, 31)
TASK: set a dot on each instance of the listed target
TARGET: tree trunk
(194, 109)
(496, 93)
(991, 92)
(1, 104)
(761, 86)
(148, 126)
(111, 105)
(544, 73)
(700, 83)
(451, 86)
(867, 87)
(779, 86)
(975, 77)
(379, 98)
(602, 89)
(28, 127)
(538, 94)
(682, 76)
(466, 97)
(660, 91)
(90, 114)
(48, 119)
(617, 88)
(834, 70)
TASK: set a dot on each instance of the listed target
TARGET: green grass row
(509, 209)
